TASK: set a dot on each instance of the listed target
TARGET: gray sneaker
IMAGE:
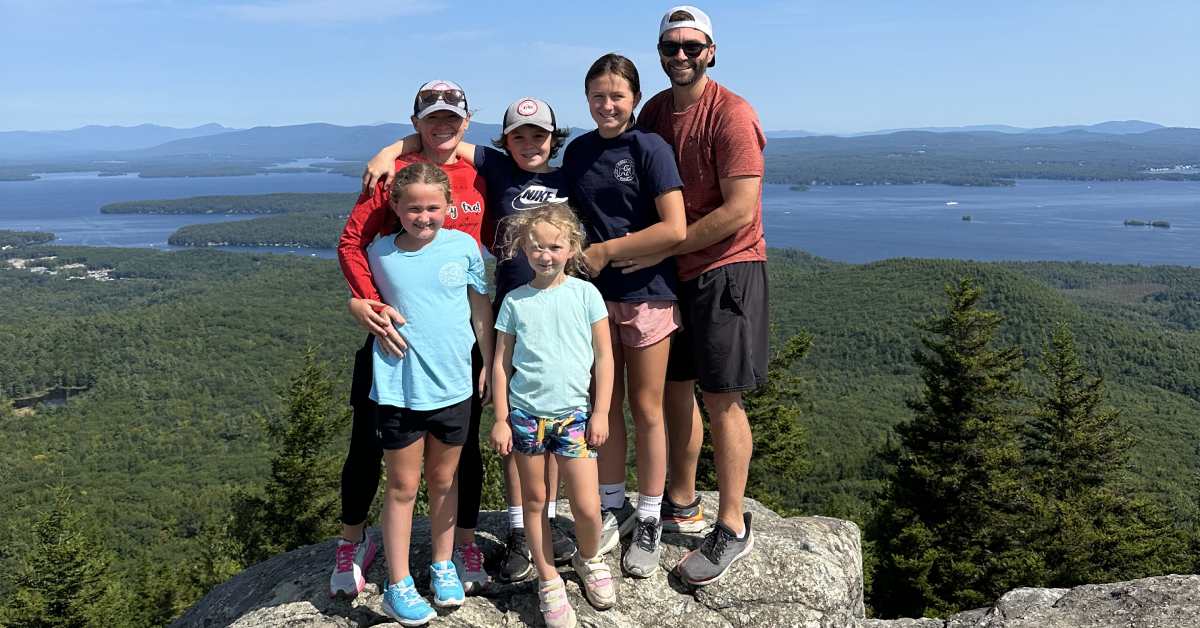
(641, 559)
(720, 549)
(611, 521)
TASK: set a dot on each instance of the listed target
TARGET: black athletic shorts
(401, 427)
(723, 343)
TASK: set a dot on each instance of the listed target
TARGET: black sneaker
(517, 563)
(720, 549)
(564, 546)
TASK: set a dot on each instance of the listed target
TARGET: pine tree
(948, 530)
(1093, 524)
(298, 504)
(780, 456)
(63, 581)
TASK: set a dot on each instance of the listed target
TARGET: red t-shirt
(716, 138)
(372, 216)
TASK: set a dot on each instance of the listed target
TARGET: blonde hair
(518, 230)
(420, 172)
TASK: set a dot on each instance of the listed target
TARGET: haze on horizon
(832, 68)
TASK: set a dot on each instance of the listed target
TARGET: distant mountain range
(92, 138)
(1113, 127)
(353, 142)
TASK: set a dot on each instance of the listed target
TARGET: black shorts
(400, 427)
(723, 343)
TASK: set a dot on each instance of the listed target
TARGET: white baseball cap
(699, 21)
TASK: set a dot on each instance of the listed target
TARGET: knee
(533, 500)
(724, 406)
(403, 490)
(440, 483)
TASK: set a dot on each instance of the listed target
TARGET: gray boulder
(1161, 602)
(804, 571)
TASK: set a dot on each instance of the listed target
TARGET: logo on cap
(527, 108)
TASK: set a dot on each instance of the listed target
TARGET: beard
(683, 77)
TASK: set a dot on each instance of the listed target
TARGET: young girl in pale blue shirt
(435, 277)
(552, 349)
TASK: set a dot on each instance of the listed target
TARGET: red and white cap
(529, 111)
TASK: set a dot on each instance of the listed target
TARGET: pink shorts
(642, 324)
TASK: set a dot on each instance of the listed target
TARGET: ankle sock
(612, 495)
(649, 507)
(552, 508)
(516, 520)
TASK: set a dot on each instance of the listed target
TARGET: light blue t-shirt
(552, 355)
(429, 288)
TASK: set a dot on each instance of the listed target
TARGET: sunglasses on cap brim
(452, 97)
(691, 48)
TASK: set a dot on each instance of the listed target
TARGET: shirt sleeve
(658, 161)
(476, 271)
(505, 321)
(367, 220)
(596, 310)
(739, 142)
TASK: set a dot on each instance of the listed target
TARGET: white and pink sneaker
(351, 562)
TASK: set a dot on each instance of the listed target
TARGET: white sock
(650, 507)
(612, 495)
(552, 508)
(516, 520)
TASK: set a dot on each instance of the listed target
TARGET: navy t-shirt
(510, 190)
(613, 186)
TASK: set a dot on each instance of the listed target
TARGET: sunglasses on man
(452, 97)
(690, 48)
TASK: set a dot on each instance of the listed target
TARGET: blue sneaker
(447, 588)
(402, 603)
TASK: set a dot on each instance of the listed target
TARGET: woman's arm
(501, 374)
(602, 384)
(481, 321)
(662, 236)
(366, 306)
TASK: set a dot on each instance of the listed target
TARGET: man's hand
(382, 323)
(634, 264)
(380, 168)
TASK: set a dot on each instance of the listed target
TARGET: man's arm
(741, 197)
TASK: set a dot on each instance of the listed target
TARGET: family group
(634, 273)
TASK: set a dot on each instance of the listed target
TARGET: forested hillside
(168, 362)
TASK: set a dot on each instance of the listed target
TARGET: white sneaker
(351, 562)
(468, 561)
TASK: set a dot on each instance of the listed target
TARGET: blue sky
(822, 66)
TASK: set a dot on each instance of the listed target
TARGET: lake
(1035, 220)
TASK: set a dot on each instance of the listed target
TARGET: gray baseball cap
(529, 111)
(440, 95)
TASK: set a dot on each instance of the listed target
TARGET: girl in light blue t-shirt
(435, 277)
(552, 337)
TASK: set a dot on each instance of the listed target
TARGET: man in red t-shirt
(718, 143)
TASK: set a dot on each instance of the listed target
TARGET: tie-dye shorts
(564, 435)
